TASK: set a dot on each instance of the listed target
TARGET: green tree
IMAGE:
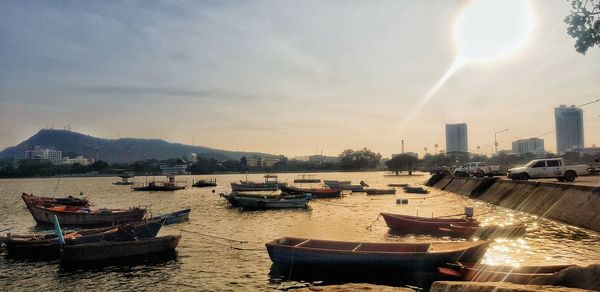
(402, 162)
(359, 160)
(584, 24)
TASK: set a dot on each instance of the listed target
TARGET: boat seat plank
(302, 243)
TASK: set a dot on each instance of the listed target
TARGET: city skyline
(262, 76)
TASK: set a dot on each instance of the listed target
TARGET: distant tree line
(349, 160)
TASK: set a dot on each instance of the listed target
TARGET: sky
(285, 77)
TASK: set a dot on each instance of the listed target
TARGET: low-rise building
(79, 159)
(531, 145)
(173, 169)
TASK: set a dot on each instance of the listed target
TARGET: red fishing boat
(407, 223)
(82, 216)
(316, 192)
(491, 273)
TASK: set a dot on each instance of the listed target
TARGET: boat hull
(175, 217)
(43, 216)
(407, 223)
(489, 273)
(265, 203)
(316, 193)
(363, 255)
(252, 187)
(48, 248)
(104, 251)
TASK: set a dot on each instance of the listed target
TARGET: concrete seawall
(572, 204)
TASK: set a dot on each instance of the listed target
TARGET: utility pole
(496, 140)
(580, 131)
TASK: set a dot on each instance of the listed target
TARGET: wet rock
(576, 277)
(355, 287)
(452, 286)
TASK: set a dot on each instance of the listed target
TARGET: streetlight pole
(580, 131)
(496, 140)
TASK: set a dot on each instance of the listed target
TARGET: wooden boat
(270, 184)
(316, 192)
(401, 256)
(490, 273)
(48, 247)
(124, 181)
(397, 185)
(168, 186)
(353, 188)
(232, 197)
(336, 183)
(263, 203)
(82, 216)
(415, 190)
(174, 217)
(407, 223)
(489, 231)
(47, 201)
(114, 250)
(307, 179)
(381, 191)
(205, 183)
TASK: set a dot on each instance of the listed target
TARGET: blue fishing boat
(175, 217)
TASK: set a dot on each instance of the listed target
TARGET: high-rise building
(531, 145)
(569, 128)
(456, 138)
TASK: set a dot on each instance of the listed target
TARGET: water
(208, 263)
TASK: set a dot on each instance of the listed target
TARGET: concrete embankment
(572, 204)
(450, 286)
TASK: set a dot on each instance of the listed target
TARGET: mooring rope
(209, 235)
(333, 204)
(373, 223)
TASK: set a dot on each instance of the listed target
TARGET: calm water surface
(210, 263)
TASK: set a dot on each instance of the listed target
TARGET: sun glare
(484, 31)
(489, 29)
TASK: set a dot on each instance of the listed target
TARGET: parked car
(548, 168)
(479, 169)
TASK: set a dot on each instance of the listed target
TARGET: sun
(489, 29)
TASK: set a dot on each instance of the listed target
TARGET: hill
(116, 150)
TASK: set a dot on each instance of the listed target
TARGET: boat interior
(354, 246)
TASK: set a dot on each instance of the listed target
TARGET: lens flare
(484, 31)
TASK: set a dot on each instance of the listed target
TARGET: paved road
(591, 180)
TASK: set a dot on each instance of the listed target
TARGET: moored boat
(168, 186)
(263, 203)
(307, 179)
(174, 217)
(81, 216)
(270, 184)
(402, 256)
(316, 192)
(124, 181)
(48, 201)
(336, 183)
(380, 191)
(397, 185)
(353, 188)
(488, 231)
(48, 247)
(415, 190)
(115, 250)
(407, 223)
(491, 273)
(205, 183)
